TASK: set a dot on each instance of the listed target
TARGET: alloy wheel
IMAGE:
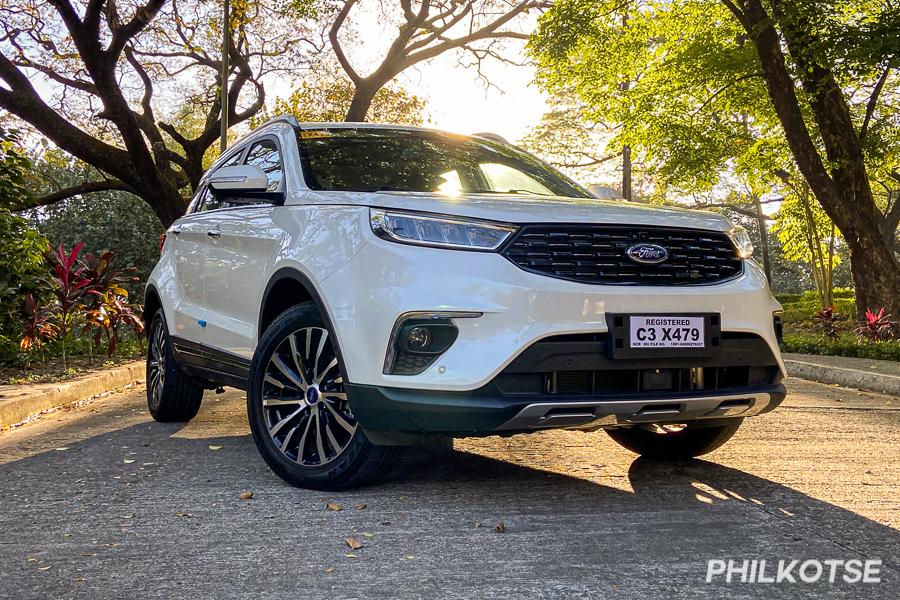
(156, 362)
(303, 399)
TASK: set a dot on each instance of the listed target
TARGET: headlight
(438, 232)
(742, 242)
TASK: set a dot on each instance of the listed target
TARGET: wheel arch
(152, 303)
(286, 288)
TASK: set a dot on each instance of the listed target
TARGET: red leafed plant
(827, 318)
(38, 326)
(68, 284)
(878, 326)
(107, 307)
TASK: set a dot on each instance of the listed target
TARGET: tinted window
(205, 199)
(208, 201)
(370, 159)
(265, 155)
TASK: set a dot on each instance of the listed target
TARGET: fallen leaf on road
(87, 554)
(500, 527)
(32, 559)
(61, 448)
(246, 495)
(410, 557)
(353, 543)
(368, 535)
(329, 570)
(478, 524)
(351, 555)
(361, 506)
(128, 461)
(215, 447)
(128, 516)
(44, 568)
(333, 506)
(79, 579)
(184, 514)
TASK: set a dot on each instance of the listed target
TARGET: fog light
(418, 338)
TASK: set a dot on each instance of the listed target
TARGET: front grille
(596, 254)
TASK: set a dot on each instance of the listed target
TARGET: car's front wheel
(674, 442)
(298, 409)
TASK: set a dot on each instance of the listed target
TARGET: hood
(521, 209)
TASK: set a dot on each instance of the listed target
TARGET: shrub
(844, 345)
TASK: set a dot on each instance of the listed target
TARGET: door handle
(177, 231)
(214, 234)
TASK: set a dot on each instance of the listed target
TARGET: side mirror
(243, 184)
(239, 178)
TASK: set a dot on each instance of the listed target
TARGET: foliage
(68, 284)
(38, 326)
(115, 74)
(878, 326)
(844, 345)
(827, 318)
(14, 166)
(329, 97)
(107, 308)
(709, 91)
(807, 235)
(22, 250)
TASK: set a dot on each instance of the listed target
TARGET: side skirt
(214, 367)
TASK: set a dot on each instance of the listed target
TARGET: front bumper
(384, 280)
(386, 411)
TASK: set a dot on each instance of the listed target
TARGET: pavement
(102, 502)
(861, 373)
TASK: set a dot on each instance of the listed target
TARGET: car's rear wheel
(298, 408)
(171, 394)
(674, 442)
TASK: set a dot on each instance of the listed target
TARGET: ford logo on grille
(647, 254)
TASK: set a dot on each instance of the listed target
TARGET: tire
(299, 412)
(674, 445)
(171, 395)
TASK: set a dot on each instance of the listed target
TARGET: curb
(854, 378)
(18, 403)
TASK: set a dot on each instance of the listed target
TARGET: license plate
(667, 332)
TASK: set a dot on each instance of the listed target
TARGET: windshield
(375, 159)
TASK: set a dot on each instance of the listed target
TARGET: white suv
(375, 286)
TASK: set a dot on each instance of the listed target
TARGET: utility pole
(626, 149)
(226, 34)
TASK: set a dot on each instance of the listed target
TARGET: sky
(456, 99)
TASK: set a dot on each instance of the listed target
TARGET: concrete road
(101, 502)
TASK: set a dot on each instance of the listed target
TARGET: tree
(329, 95)
(424, 31)
(807, 235)
(716, 84)
(568, 139)
(108, 74)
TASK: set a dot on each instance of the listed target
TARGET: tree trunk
(363, 94)
(168, 207)
(763, 238)
(843, 191)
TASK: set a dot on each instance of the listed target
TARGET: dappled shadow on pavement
(132, 508)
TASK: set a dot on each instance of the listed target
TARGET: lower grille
(597, 254)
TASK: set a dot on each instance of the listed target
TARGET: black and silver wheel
(675, 442)
(299, 411)
(171, 395)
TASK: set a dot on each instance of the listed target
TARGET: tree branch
(87, 187)
(873, 102)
